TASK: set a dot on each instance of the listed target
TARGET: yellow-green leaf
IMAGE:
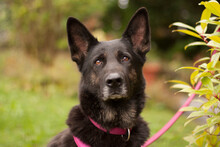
(208, 104)
(194, 44)
(213, 44)
(190, 120)
(200, 114)
(215, 59)
(177, 81)
(205, 16)
(200, 128)
(190, 108)
(206, 81)
(204, 74)
(188, 33)
(193, 77)
(180, 86)
(180, 24)
(213, 120)
(215, 38)
(212, 6)
(210, 22)
(195, 68)
(203, 91)
(201, 60)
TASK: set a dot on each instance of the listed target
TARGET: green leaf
(204, 74)
(203, 65)
(199, 101)
(212, 129)
(180, 86)
(194, 68)
(217, 89)
(209, 22)
(193, 77)
(205, 16)
(195, 44)
(177, 81)
(215, 81)
(213, 67)
(200, 114)
(215, 59)
(215, 38)
(200, 128)
(188, 33)
(190, 108)
(208, 104)
(216, 76)
(191, 139)
(201, 60)
(203, 91)
(180, 24)
(189, 121)
(217, 28)
(213, 120)
(213, 44)
(206, 81)
(200, 139)
(212, 6)
(188, 90)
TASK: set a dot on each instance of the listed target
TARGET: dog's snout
(114, 80)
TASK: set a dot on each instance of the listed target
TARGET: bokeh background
(39, 82)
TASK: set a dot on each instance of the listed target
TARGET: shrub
(39, 26)
(206, 72)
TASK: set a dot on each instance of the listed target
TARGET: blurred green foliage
(39, 26)
(161, 13)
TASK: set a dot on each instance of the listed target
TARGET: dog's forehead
(110, 46)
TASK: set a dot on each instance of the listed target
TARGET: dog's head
(113, 67)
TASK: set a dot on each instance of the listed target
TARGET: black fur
(111, 87)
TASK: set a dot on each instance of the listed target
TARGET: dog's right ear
(79, 39)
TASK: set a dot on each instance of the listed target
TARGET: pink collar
(114, 131)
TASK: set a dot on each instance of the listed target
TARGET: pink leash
(174, 118)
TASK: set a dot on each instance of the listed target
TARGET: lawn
(35, 101)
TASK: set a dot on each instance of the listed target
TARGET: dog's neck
(114, 131)
(122, 114)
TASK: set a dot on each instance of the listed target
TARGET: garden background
(39, 82)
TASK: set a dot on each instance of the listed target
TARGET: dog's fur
(112, 85)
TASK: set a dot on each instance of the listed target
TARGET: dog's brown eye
(125, 58)
(98, 62)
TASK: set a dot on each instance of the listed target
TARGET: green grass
(157, 115)
(29, 118)
(33, 108)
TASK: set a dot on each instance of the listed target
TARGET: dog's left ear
(138, 32)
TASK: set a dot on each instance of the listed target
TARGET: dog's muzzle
(114, 87)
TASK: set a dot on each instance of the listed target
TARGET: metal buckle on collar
(127, 136)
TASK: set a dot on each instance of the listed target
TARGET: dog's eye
(98, 62)
(125, 58)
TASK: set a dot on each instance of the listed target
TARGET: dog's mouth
(115, 94)
(115, 97)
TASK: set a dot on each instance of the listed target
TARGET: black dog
(111, 88)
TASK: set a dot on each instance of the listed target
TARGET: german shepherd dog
(111, 89)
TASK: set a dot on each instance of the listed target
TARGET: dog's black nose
(114, 80)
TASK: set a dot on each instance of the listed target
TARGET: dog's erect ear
(80, 40)
(138, 32)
